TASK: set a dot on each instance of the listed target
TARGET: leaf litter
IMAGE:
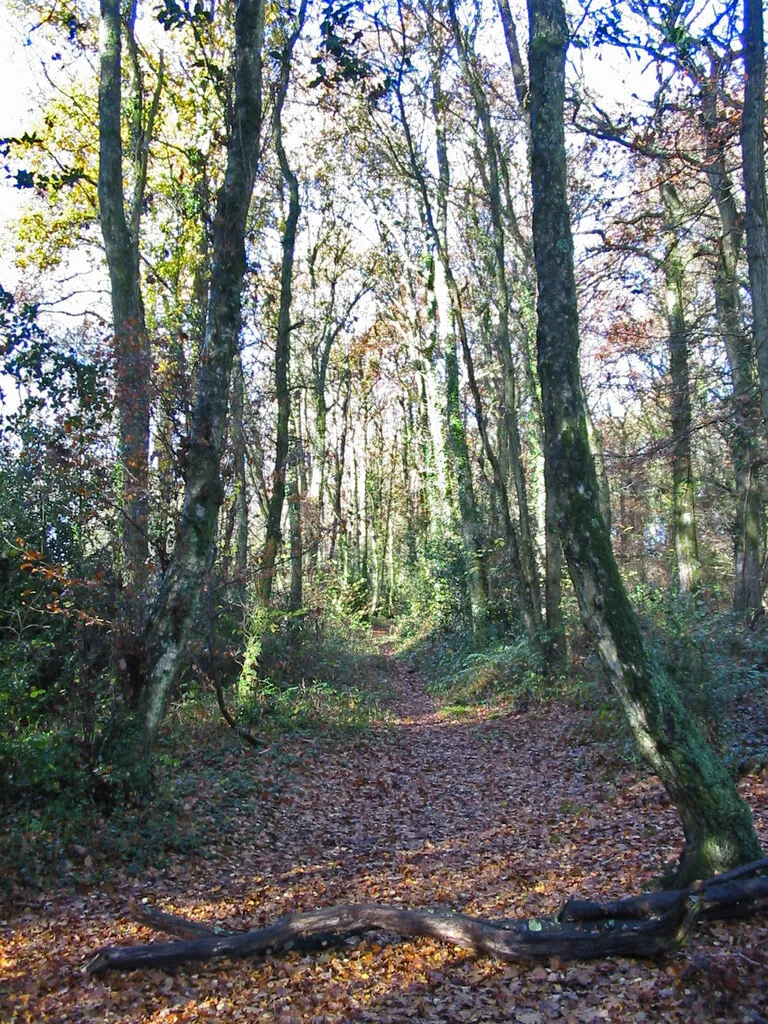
(493, 816)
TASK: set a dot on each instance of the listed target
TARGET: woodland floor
(495, 816)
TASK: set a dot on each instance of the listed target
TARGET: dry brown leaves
(495, 817)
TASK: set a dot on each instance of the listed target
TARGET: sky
(21, 84)
(17, 88)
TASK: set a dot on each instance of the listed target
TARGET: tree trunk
(519, 76)
(683, 491)
(718, 827)
(477, 580)
(131, 348)
(749, 524)
(749, 529)
(177, 606)
(434, 446)
(241, 488)
(491, 176)
(753, 151)
(448, 311)
(341, 462)
(283, 341)
(557, 644)
(529, 607)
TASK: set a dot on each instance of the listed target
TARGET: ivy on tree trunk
(176, 610)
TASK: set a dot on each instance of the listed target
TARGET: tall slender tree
(284, 328)
(684, 535)
(120, 226)
(175, 612)
(753, 150)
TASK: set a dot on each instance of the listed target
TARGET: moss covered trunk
(718, 827)
(176, 610)
(756, 208)
(132, 357)
(749, 526)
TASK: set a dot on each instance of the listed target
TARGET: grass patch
(312, 676)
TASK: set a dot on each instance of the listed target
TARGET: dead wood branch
(644, 926)
(732, 894)
(182, 927)
(577, 942)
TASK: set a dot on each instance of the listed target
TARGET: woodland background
(374, 451)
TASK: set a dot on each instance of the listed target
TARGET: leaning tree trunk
(176, 609)
(753, 150)
(718, 827)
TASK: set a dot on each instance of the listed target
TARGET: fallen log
(170, 923)
(533, 939)
(647, 926)
(728, 895)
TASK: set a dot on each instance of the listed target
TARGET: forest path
(495, 816)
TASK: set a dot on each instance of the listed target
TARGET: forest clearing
(383, 433)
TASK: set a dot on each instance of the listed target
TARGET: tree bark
(753, 151)
(718, 827)
(341, 462)
(529, 608)
(527, 559)
(557, 642)
(273, 537)
(450, 318)
(749, 531)
(241, 485)
(177, 607)
(683, 489)
(131, 345)
(293, 497)
(519, 76)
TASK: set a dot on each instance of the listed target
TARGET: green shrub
(310, 672)
(507, 670)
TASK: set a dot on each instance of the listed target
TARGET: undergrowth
(718, 662)
(311, 674)
(311, 677)
(506, 671)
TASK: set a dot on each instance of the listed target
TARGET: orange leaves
(499, 818)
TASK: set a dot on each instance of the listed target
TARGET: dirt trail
(498, 817)
(445, 788)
